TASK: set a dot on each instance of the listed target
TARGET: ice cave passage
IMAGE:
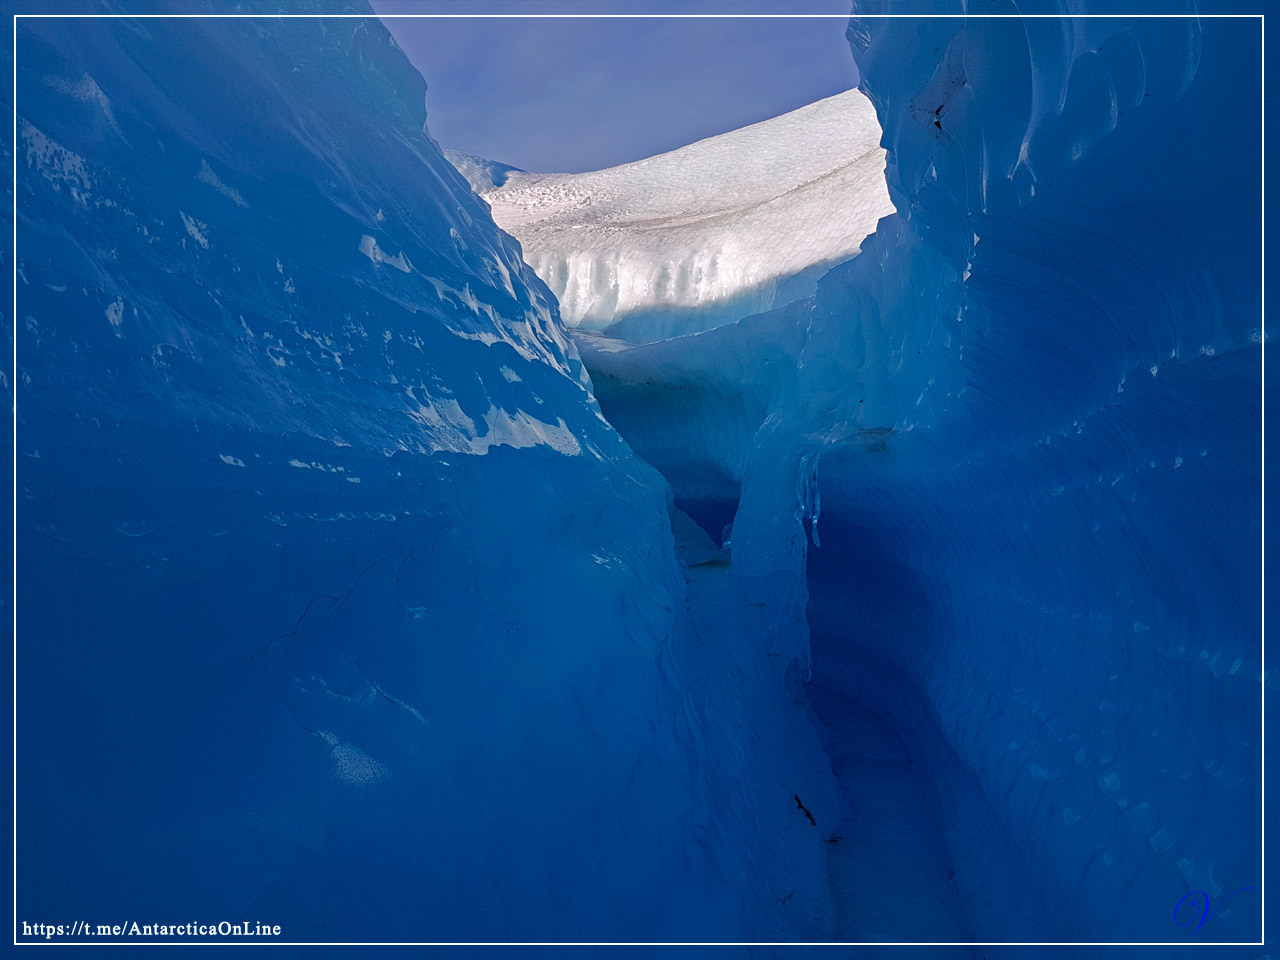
(845, 528)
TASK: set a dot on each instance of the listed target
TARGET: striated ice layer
(1025, 420)
(706, 234)
(341, 607)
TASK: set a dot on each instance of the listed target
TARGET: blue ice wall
(1052, 545)
(1024, 426)
(341, 606)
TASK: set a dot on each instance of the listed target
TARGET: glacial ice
(340, 601)
(1069, 360)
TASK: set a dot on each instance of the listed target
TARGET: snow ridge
(688, 240)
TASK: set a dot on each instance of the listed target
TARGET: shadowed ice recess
(878, 559)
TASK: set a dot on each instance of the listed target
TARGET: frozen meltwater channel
(891, 866)
(888, 863)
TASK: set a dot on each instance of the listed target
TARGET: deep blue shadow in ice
(1048, 578)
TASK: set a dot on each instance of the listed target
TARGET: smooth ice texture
(703, 235)
(1024, 425)
(340, 605)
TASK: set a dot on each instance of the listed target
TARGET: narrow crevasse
(1024, 426)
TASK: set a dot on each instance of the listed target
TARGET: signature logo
(1200, 901)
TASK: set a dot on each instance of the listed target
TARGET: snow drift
(702, 235)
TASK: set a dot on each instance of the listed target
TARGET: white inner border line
(257, 942)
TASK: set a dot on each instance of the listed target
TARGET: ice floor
(888, 862)
(891, 863)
